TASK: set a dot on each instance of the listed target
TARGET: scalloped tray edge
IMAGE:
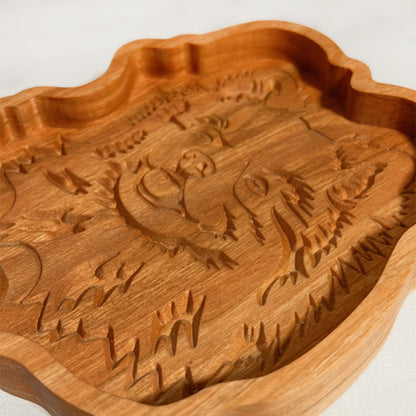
(60, 107)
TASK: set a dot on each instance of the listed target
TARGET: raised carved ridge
(167, 322)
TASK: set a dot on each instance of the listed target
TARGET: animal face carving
(190, 192)
(221, 179)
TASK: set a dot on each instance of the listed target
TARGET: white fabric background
(71, 43)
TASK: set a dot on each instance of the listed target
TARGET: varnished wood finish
(220, 224)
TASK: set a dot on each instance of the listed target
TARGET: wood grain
(220, 224)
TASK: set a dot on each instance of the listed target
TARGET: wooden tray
(220, 224)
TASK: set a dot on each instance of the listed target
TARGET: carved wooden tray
(217, 225)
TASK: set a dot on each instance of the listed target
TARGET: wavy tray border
(34, 108)
(27, 370)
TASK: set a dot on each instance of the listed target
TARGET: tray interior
(213, 228)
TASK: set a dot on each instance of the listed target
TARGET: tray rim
(231, 394)
(28, 103)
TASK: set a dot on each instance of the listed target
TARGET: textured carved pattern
(213, 228)
(167, 323)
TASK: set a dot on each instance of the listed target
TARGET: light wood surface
(220, 224)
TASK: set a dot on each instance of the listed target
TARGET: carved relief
(167, 323)
(224, 217)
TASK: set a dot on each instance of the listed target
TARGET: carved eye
(257, 185)
(161, 184)
(204, 137)
(195, 163)
(214, 121)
